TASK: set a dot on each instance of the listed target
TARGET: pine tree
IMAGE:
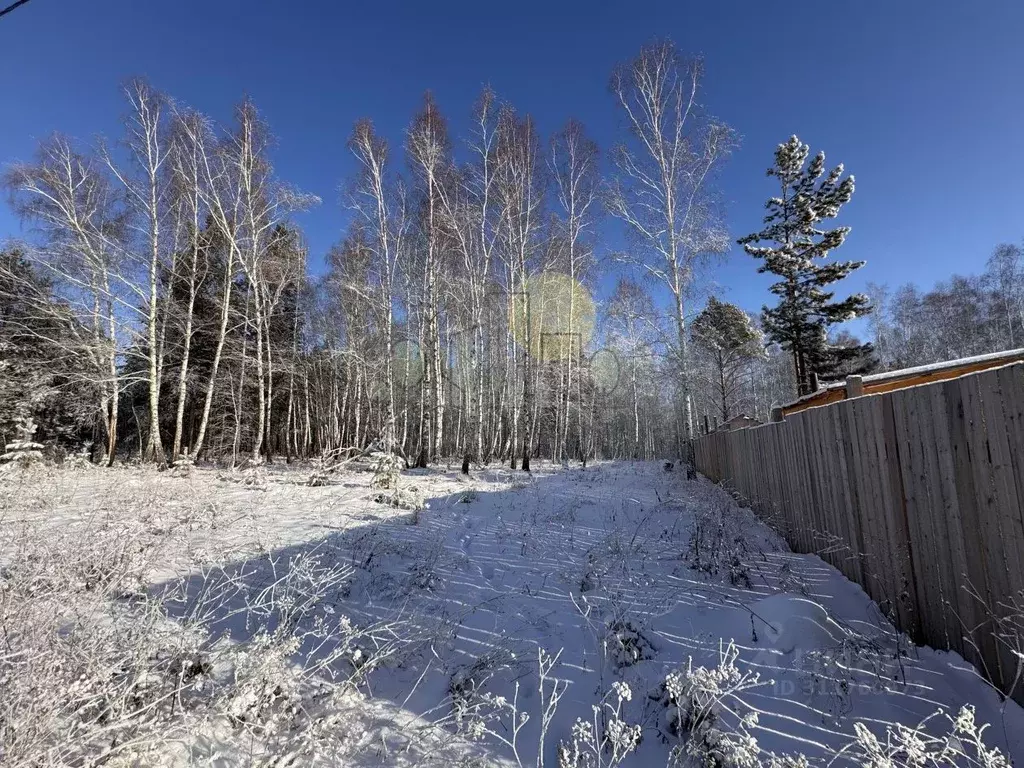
(39, 361)
(725, 333)
(24, 451)
(806, 308)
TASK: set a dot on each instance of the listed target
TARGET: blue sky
(923, 101)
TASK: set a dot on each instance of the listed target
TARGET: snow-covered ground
(480, 629)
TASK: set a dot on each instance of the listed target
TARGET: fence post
(776, 413)
(854, 386)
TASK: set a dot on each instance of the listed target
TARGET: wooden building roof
(876, 383)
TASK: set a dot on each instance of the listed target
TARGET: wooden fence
(915, 494)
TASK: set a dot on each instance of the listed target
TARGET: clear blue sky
(923, 101)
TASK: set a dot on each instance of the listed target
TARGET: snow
(623, 571)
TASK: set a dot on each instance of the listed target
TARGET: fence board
(996, 577)
(916, 464)
(907, 613)
(960, 609)
(867, 492)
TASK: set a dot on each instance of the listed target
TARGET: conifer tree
(40, 365)
(797, 250)
(23, 451)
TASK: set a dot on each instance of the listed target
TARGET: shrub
(626, 645)
(387, 470)
(703, 708)
(605, 741)
(717, 544)
(24, 451)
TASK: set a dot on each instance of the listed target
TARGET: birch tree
(471, 221)
(662, 187)
(519, 192)
(247, 205)
(379, 202)
(145, 187)
(428, 149)
(69, 199)
(220, 194)
(1004, 277)
(633, 330)
(574, 169)
(190, 212)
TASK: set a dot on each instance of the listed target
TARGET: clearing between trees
(614, 615)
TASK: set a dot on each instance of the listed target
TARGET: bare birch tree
(247, 205)
(428, 149)
(381, 208)
(69, 199)
(471, 220)
(265, 206)
(662, 189)
(187, 172)
(520, 196)
(574, 168)
(220, 194)
(145, 186)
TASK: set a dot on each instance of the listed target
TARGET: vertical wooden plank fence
(916, 494)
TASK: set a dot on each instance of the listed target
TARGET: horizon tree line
(164, 307)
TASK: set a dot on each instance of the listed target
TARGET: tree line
(164, 308)
(964, 316)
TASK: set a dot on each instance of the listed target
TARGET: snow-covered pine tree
(798, 247)
(24, 451)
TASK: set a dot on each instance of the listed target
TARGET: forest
(164, 305)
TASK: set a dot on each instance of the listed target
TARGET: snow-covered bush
(479, 713)
(386, 469)
(961, 743)
(324, 465)
(23, 452)
(267, 687)
(846, 664)
(83, 672)
(182, 466)
(466, 690)
(607, 739)
(80, 459)
(403, 497)
(255, 476)
(613, 556)
(387, 476)
(111, 565)
(320, 476)
(97, 667)
(703, 710)
(717, 544)
(626, 644)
